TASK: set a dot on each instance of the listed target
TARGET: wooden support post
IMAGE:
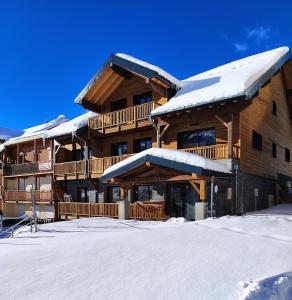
(230, 137)
(17, 153)
(35, 150)
(202, 190)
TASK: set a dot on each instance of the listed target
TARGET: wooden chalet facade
(139, 106)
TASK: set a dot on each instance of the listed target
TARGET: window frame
(287, 155)
(257, 141)
(139, 96)
(140, 140)
(180, 134)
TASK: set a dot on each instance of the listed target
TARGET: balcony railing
(126, 116)
(219, 151)
(28, 168)
(24, 196)
(78, 209)
(96, 166)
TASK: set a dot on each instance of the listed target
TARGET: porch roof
(173, 159)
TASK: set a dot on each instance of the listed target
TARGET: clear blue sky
(50, 49)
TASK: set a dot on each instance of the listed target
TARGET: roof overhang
(166, 158)
(114, 71)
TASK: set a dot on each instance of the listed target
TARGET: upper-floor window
(257, 140)
(287, 155)
(118, 104)
(274, 150)
(142, 98)
(274, 108)
(119, 148)
(142, 144)
(196, 138)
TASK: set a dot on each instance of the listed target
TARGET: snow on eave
(36, 132)
(70, 127)
(7, 133)
(239, 79)
(190, 163)
(133, 65)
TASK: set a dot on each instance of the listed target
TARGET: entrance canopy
(164, 165)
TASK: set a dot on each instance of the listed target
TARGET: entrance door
(181, 201)
(176, 196)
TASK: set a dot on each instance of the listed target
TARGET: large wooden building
(224, 134)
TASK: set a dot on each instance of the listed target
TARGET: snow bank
(70, 127)
(102, 258)
(147, 65)
(278, 287)
(173, 155)
(241, 78)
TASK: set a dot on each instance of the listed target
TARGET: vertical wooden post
(230, 137)
(35, 150)
(17, 153)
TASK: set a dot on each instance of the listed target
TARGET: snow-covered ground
(248, 257)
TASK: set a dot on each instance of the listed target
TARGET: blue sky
(50, 49)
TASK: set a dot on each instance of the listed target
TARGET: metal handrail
(14, 227)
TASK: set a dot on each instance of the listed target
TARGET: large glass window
(196, 138)
(118, 104)
(287, 155)
(148, 193)
(77, 154)
(114, 194)
(142, 98)
(142, 144)
(119, 148)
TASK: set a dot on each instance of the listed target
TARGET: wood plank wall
(258, 116)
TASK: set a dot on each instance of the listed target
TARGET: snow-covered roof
(175, 159)
(131, 64)
(70, 127)
(36, 131)
(149, 66)
(7, 133)
(241, 78)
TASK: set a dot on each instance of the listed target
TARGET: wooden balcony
(219, 151)
(124, 119)
(95, 167)
(78, 209)
(28, 168)
(25, 197)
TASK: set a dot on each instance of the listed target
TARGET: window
(274, 108)
(142, 144)
(82, 194)
(143, 193)
(287, 155)
(114, 194)
(142, 98)
(256, 140)
(196, 138)
(274, 150)
(119, 104)
(119, 148)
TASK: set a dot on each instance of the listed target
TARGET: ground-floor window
(82, 194)
(152, 192)
(114, 194)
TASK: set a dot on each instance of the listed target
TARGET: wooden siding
(258, 116)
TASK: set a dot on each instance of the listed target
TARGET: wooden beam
(230, 137)
(121, 72)
(221, 120)
(193, 184)
(164, 130)
(158, 89)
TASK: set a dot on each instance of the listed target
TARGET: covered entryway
(162, 183)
